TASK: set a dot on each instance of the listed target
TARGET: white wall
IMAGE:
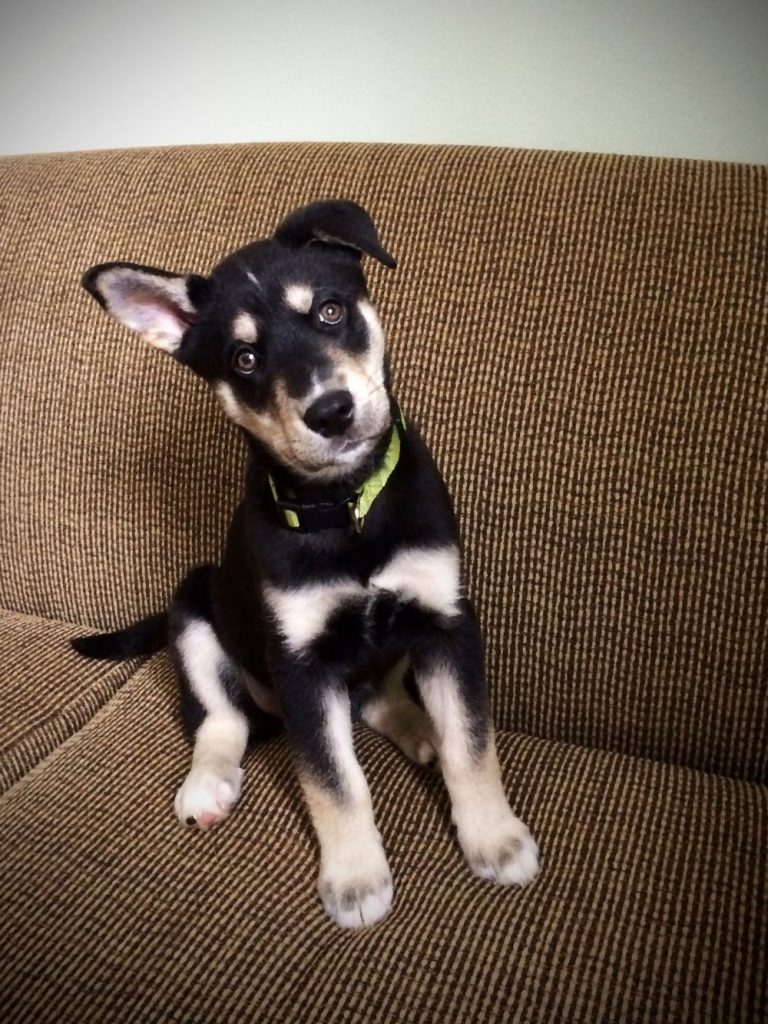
(665, 77)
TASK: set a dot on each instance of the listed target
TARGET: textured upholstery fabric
(650, 907)
(583, 339)
(46, 692)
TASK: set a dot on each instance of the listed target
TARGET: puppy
(339, 592)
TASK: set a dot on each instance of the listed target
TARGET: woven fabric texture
(582, 338)
(650, 906)
(47, 692)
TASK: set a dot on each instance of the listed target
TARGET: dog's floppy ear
(157, 304)
(336, 222)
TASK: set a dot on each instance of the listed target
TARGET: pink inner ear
(159, 313)
(149, 305)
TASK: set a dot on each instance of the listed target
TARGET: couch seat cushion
(47, 691)
(650, 905)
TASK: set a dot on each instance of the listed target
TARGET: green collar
(309, 517)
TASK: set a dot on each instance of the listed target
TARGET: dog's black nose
(331, 413)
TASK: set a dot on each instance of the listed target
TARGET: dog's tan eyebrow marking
(299, 297)
(245, 328)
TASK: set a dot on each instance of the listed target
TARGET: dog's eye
(246, 361)
(331, 312)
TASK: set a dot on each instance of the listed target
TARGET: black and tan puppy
(339, 591)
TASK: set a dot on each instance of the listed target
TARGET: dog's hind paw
(207, 795)
(418, 748)
(407, 726)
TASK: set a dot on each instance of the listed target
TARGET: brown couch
(583, 340)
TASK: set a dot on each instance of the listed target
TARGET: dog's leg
(389, 709)
(220, 728)
(355, 883)
(213, 708)
(450, 676)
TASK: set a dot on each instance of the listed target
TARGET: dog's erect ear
(336, 222)
(159, 305)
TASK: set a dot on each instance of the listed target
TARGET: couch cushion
(47, 692)
(582, 337)
(650, 905)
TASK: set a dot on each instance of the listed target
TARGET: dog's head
(282, 330)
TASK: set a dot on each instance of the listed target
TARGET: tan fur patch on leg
(496, 844)
(355, 883)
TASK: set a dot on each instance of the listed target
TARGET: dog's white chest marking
(427, 576)
(302, 612)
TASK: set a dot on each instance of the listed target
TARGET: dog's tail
(144, 637)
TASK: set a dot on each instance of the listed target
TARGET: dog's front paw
(506, 854)
(207, 795)
(356, 895)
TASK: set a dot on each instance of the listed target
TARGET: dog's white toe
(207, 796)
(355, 885)
(356, 902)
(508, 856)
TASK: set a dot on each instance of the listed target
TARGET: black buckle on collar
(314, 516)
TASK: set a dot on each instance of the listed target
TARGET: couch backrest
(582, 338)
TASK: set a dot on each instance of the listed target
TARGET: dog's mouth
(340, 456)
(349, 444)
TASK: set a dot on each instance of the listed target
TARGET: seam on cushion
(756, 779)
(64, 723)
(625, 758)
(134, 667)
(33, 747)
